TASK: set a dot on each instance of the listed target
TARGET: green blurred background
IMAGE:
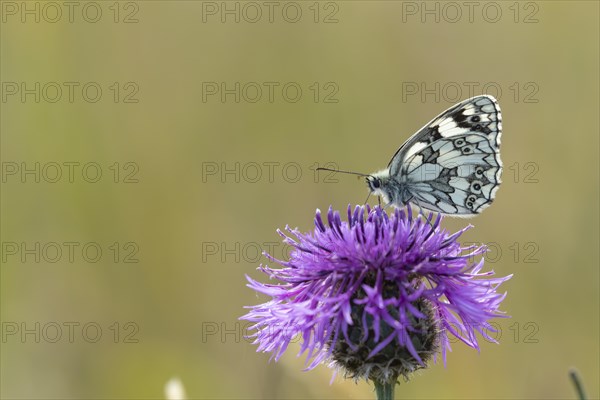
(178, 232)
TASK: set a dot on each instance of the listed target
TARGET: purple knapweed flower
(377, 295)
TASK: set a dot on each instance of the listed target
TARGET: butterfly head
(378, 184)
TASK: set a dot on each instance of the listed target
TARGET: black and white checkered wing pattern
(452, 165)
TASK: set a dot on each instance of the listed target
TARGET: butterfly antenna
(342, 172)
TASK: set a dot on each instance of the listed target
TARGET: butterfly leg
(367, 199)
(421, 214)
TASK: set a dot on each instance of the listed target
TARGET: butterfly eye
(459, 142)
(475, 118)
(479, 171)
(466, 150)
(374, 183)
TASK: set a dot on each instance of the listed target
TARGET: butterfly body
(450, 166)
(391, 190)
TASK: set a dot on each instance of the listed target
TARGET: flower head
(377, 294)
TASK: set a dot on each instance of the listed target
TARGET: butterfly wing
(452, 165)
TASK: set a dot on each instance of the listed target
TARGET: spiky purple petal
(316, 296)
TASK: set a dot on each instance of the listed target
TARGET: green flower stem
(578, 384)
(385, 391)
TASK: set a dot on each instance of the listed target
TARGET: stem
(384, 390)
(578, 384)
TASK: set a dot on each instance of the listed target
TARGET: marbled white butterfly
(451, 166)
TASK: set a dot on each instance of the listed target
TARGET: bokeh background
(194, 183)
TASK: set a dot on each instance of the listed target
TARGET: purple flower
(377, 295)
